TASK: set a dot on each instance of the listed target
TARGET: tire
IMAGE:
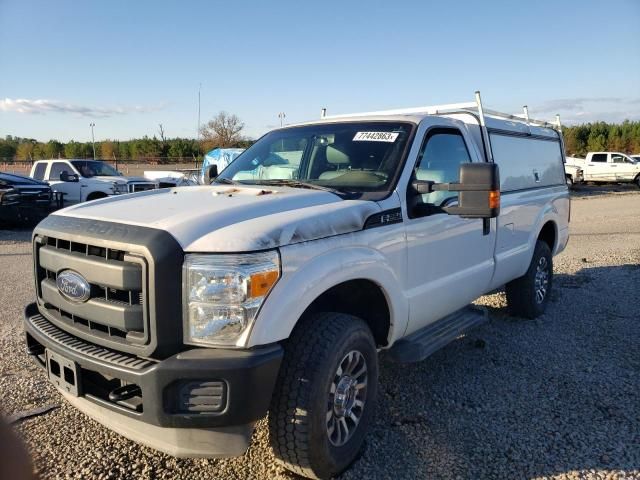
(303, 407)
(96, 196)
(528, 295)
(637, 181)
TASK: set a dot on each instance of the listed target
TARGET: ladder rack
(474, 107)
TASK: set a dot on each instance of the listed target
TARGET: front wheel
(325, 395)
(528, 295)
(96, 196)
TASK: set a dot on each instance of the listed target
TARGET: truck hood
(232, 218)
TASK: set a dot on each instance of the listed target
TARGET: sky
(127, 66)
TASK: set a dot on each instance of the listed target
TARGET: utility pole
(93, 140)
(198, 134)
(281, 116)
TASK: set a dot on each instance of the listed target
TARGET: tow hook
(125, 392)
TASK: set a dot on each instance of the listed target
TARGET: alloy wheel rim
(347, 398)
(542, 279)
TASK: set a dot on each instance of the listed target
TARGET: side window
(617, 158)
(599, 157)
(38, 173)
(57, 168)
(439, 161)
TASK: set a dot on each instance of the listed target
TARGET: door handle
(612, 166)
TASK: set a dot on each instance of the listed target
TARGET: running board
(419, 345)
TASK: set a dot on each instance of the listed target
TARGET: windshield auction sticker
(376, 137)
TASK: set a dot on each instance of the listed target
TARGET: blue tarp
(220, 157)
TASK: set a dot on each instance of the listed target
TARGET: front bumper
(159, 416)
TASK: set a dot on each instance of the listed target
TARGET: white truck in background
(83, 180)
(573, 174)
(611, 167)
(179, 317)
(174, 178)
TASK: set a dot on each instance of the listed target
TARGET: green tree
(7, 150)
(597, 143)
(40, 151)
(75, 149)
(25, 151)
(54, 149)
(182, 148)
(123, 150)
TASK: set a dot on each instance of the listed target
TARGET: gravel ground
(557, 397)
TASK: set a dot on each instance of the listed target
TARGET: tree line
(601, 137)
(224, 130)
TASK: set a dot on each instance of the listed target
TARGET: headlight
(119, 188)
(223, 293)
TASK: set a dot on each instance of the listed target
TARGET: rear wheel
(325, 395)
(528, 295)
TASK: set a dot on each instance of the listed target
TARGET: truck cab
(609, 167)
(179, 317)
(82, 180)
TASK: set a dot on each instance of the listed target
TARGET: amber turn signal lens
(494, 199)
(261, 283)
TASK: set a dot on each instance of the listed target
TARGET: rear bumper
(168, 413)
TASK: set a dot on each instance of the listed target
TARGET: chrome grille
(116, 309)
(140, 187)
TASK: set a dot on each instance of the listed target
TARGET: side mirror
(212, 173)
(479, 189)
(68, 177)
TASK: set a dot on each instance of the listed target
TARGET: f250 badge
(73, 286)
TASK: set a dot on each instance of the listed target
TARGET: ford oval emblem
(73, 286)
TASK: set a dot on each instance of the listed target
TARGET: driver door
(70, 189)
(450, 259)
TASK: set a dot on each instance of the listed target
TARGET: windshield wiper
(226, 181)
(300, 184)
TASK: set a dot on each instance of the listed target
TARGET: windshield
(93, 168)
(361, 159)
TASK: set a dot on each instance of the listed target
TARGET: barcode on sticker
(375, 137)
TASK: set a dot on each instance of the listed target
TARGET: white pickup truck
(614, 167)
(179, 317)
(573, 174)
(82, 180)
